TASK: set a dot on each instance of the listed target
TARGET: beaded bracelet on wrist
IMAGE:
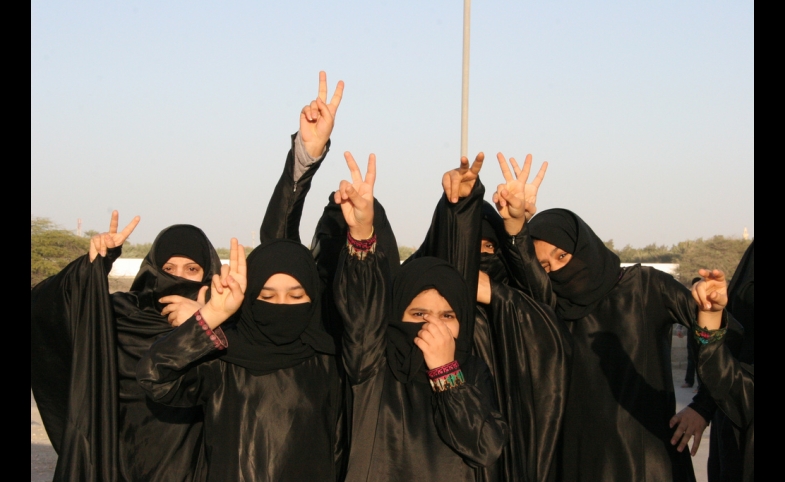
(359, 248)
(704, 336)
(446, 377)
(207, 331)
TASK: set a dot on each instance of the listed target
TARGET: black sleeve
(73, 372)
(682, 309)
(361, 295)
(468, 420)
(731, 383)
(175, 371)
(455, 234)
(528, 271)
(285, 209)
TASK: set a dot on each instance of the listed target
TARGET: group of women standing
(507, 347)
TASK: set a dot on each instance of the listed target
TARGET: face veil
(404, 357)
(266, 336)
(593, 270)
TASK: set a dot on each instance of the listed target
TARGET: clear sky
(181, 111)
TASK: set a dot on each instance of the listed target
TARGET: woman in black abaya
(85, 344)
(423, 406)
(272, 399)
(523, 343)
(620, 422)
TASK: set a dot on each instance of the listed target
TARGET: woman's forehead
(431, 299)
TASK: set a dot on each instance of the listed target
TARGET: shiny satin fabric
(522, 342)
(284, 425)
(98, 418)
(405, 431)
(732, 385)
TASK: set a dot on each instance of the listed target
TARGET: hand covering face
(593, 270)
(153, 283)
(404, 357)
(267, 336)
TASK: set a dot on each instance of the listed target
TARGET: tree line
(52, 248)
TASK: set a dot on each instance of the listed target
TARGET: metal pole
(467, 7)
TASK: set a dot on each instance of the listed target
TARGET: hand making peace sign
(515, 199)
(318, 118)
(458, 183)
(228, 289)
(356, 198)
(112, 239)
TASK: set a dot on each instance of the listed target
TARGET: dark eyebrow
(419, 309)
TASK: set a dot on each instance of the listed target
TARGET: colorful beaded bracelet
(704, 336)
(359, 248)
(213, 337)
(446, 377)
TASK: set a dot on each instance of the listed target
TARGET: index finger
(113, 223)
(130, 228)
(171, 299)
(477, 164)
(354, 169)
(370, 174)
(523, 174)
(337, 96)
(323, 86)
(233, 255)
(505, 168)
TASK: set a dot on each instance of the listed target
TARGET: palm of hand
(319, 129)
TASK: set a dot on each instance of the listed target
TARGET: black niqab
(591, 273)
(268, 336)
(405, 358)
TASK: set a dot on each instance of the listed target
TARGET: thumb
(200, 298)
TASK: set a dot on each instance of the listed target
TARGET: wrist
(514, 226)
(446, 377)
(710, 320)
(359, 248)
(210, 316)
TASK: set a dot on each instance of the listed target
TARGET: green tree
(52, 248)
(718, 252)
(405, 251)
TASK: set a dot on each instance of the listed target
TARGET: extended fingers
(504, 167)
(477, 164)
(540, 175)
(233, 255)
(337, 96)
(130, 228)
(323, 86)
(370, 174)
(354, 169)
(113, 223)
(523, 174)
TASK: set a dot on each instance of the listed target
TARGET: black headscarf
(139, 312)
(405, 358)
(492, 226)
(591, 273)
(268, 336)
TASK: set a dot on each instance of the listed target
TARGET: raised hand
(228, 289)
(711, 295)
(111, 239)
(318, 118)
(516, 199)
(436, 342)
(179, 309)
(459, 182)
(356, 198)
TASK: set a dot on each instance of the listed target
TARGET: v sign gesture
(515, 199)
(318, 118)
(356, 198)
(458, 183)
(112, 239)
(228, 289)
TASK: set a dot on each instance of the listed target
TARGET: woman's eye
(448, 317)
(297, 297)
(562, 256)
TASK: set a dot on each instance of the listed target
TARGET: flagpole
(467, 6)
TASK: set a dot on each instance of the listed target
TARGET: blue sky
(181, 112)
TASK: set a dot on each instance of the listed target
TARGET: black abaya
(621, 396)
(730, 454)
(405, 431)
(98, 418)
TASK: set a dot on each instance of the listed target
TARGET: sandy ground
(43, 458)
